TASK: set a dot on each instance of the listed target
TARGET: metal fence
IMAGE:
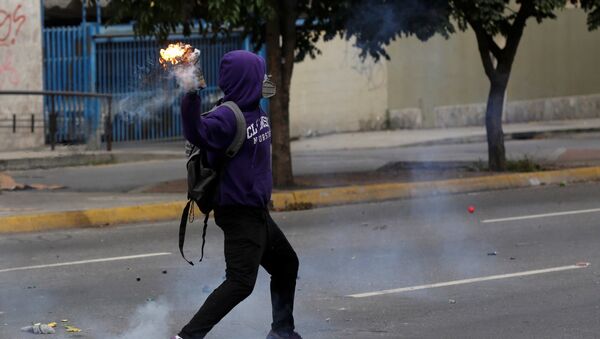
(68, 122)
(68, 68)
(19, 122)
(89, 58)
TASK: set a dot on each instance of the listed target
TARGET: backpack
(203, 181)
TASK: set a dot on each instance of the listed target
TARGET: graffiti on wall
(8, 72)
(10, 25)
(11, 20)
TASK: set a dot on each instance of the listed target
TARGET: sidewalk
(439, 136)
(65, 156)
(130, 152)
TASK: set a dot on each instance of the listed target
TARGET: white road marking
(469, 281)
(81, 262)
(535, 216)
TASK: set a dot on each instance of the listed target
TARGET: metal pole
(52, 124)
(108, 128)
(98, 17)
(32, 123)
(14, 123)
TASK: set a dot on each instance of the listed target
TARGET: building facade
(21, 68)
(441, 83)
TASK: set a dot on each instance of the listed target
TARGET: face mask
(268, 87)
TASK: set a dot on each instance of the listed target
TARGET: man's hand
(193, 57)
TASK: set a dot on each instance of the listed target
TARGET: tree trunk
(280, 67)
(493, 125)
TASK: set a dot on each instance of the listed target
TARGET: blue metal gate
(111, 60)
(146, 103)
(67, 67)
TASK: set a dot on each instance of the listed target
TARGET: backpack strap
(240, 133)
(183, 226)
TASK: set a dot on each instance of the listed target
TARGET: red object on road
(471, 209)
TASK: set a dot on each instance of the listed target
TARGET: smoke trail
(186, 77)
(157, 88)
(149, 322)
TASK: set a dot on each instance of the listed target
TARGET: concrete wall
(21, 68)
(443, 80)
(337, 92)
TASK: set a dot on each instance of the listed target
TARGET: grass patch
(522, 165)
(525, 164)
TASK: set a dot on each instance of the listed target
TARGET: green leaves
(592, 8)
(372, 23)
(376, 23)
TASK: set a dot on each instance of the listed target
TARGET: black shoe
(283, 335)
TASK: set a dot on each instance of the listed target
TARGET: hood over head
(241, 74)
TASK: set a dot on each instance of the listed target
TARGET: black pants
(251, 239)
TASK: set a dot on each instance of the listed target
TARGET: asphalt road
(128, 177)
(343, 251)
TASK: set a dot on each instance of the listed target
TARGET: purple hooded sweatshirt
(247, 178)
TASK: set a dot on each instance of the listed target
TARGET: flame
(175, 53)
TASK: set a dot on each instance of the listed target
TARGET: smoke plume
(157, 88)
(149, 322)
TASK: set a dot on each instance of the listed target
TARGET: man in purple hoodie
(252, 238)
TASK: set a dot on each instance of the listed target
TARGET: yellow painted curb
(387, 191)
(93, 217)
(297, 199)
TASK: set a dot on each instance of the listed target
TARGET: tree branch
(484, 53)
(515, 31)
(486, 39)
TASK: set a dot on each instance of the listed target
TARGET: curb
(382, 192)
(80, 159)
(299, 199)
(99, 217)
(523, 135)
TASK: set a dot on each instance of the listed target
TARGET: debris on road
(492, 253)
(65, 320)
(471, 209)
(39, 328)
(583, 264)
(7, 183)
(451, 301)
(563, 184)
(72, 329)
(138, 279)
(164, 272)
